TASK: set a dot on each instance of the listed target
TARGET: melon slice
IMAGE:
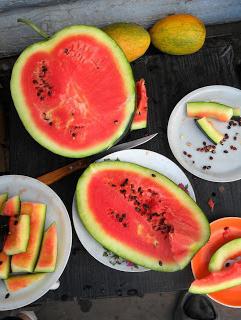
(11, 206)
(140, 118)
(48, 253)
(230, 250)
(26, 261)
(16, 283)
(74, 93)
(4, 265)
(214, 110)
(3, 199)
(140, 215)
(17, 239)
(216, 281)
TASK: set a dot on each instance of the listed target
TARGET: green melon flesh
(4, 265)
(105, 233)
(208, 129)
(26, 261)
(11, 206)
(3, 199)
(17, 239)
(227, 278)
(202, 109)
(48, 253)
(225, 252)
(16, 283)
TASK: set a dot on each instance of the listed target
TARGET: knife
(62, 172)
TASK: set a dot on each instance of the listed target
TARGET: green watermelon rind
(5, 273)
(139, 125)
(3, 199)
(24, 114)
(15, 203)
(223, 253)
(122, 250)
(32, 277)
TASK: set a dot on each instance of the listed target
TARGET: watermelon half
(75, 92)
(140, 215)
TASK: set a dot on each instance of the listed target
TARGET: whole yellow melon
(178, 34)
(133, 39)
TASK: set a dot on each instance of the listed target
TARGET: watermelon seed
(113, 185)
(7, 296)
(125, 225)
(15, 222)
(66, 51)
(116, 121)
(160, 263)
(225, 228)
(138, 209)
(227, 264)
(1, 262)
(153, 175)
(123, 184)
(35, 81)
(146, 206)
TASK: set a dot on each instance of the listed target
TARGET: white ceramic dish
(33, 190)
(144, 158)
(183, 135)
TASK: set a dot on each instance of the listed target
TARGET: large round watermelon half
(140, 215)
(75, 92)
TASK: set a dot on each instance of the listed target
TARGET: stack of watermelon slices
(27, 250)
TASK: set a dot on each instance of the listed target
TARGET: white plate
(144, 158)
(182, 131)
(33, 190)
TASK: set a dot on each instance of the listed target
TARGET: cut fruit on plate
(230, 250)
(227, 278)
(17, 239)
(26, 261)
(3, 199)
(208, 129)
(48, 253)
(130, 216)
(89, 109)
(16, 283)
(213, 110)
(140, 118)
(11, 206)
(4, 265)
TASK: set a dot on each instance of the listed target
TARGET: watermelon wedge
(17, 239)
(16, 283)
(75, 92)
(4, 265)
(140, 118)
(227, 278)
(11, 206)
(48, 253)
(140, 215)
(3, 199)
(26, 261)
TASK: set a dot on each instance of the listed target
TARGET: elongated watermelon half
(4, 265)
(48, 253)
(17, 239)
(75, 92)
(26, 261)
(11, 206)
(19, 282)
(226, 278)
(230, 250)
(3, 199)
(140, 215)
(140, 118)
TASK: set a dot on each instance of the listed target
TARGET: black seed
(153, 175)
(211, 158)
(226, 228)
(225, 151)
(228, 127)
(15, 222)
(204, 167)
(138, 209)
(116, 121)
(7, 296)
(193, 161)
(160, 263)
(124, 183)
(1, 262)
(185, 153)
(204, 143)
(227, 264)
(208, 167)
(189, 155)
(125, 225)
(146, 206)
(50, 123)
(123, 191)
(35, 81)
(66, 51)
(234, 138)
(113, 185)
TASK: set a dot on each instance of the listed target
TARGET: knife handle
(62, 172)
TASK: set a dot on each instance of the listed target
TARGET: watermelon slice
(17, 239)
(16, 283)
(11, 206)
(48, 253)
(216, 281)
(25, 262)
(140, 118)
(3, 199)
(4, 265)
(75, 92)
(140, 215)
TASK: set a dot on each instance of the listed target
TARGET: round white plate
(33, 190)
(183, 135)
(144, 158)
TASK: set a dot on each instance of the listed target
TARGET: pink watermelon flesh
(3, 199)
(48, 253)
(226, 278)
(140, 118)
(4, 265)
(11, 206)
(16, 283)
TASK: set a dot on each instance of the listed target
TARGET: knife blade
(62, 172)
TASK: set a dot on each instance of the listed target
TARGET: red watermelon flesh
(77, 91)
(11, 206)
(140, 118)
(48, 253)
(16, 283)
(4, 265)
(134, 207)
